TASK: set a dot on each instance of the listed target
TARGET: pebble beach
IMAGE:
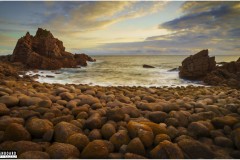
(40, 120)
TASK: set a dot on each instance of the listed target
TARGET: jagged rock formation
(202, 67)
(197, 66)
(227, 74)
(44, 51)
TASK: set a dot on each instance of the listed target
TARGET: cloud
(90, 16)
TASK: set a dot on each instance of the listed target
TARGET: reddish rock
(44, 51)
(197, 66)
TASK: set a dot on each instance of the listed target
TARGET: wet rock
(95, 149)
(194, 149)
(166, 150)
(34, 155)
(63, 130)
(120, 138)
(9, 101)
(108, 130)
(38, 127)
(16, 132)
(3, 109)
(136, 146)
(63, 151)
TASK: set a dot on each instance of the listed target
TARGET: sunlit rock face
(197, 66)
(44, 51)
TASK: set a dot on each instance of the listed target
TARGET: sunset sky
(127, 27)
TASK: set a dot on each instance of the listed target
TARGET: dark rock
(43, 51)
(108, 130)
(197, 66)
(147, 66)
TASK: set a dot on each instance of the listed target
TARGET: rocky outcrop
(227, 74)
(202, 67)
(147, 66)
(197, 66)
(44, 51)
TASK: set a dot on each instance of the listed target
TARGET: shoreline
(41, 120)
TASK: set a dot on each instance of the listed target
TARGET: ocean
(125, 71)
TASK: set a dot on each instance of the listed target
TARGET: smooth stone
(16, 132)
(166, 150)
(34, 155)
(63, 151)
(79, 140)
(96, 149)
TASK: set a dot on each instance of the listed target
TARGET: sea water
(125, 71)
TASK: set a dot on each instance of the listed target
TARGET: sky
(127, 27)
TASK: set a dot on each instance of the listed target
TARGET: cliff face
(44, 51)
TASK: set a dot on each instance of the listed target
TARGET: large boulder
(44, 51)
(197, 66)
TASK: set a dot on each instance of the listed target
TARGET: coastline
(41, 120)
